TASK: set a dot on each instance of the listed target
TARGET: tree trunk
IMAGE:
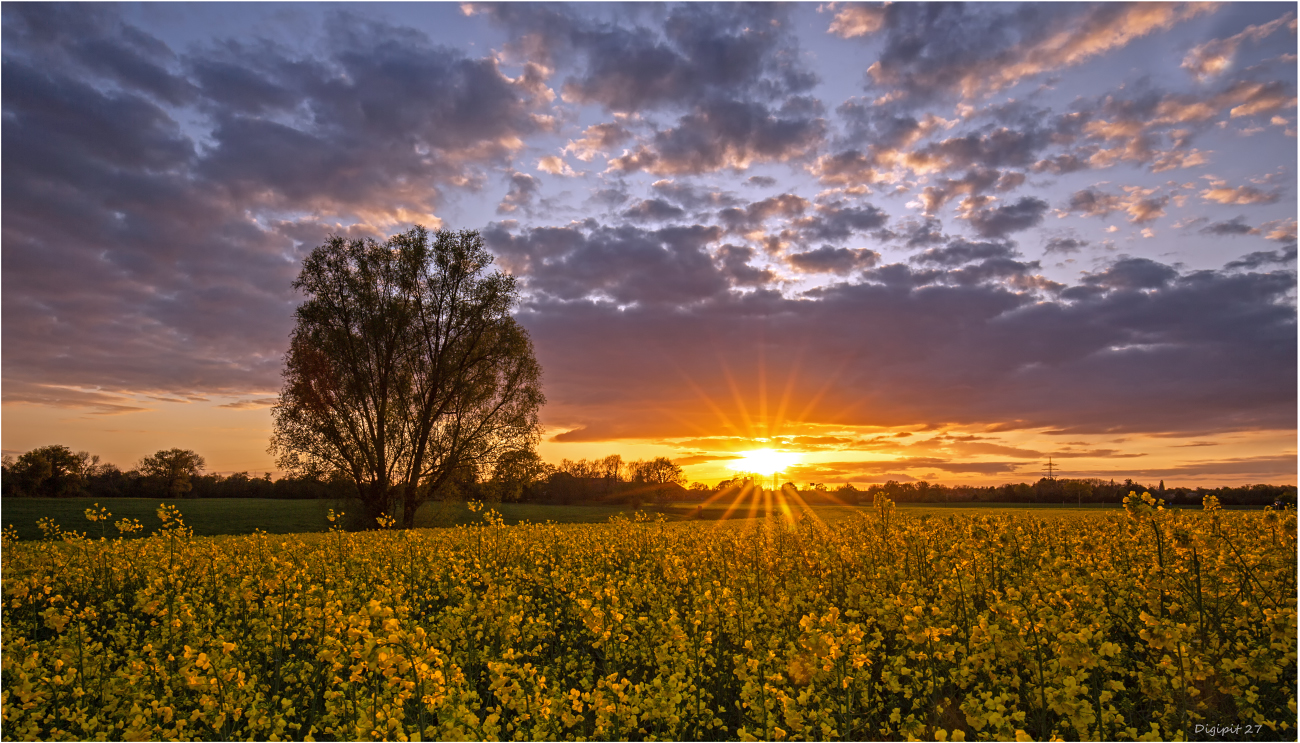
(410, 504)
(374, 503)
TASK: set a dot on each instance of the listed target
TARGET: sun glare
(764, 461)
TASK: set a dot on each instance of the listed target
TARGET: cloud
(1065, 245)
(1234, 226)
(1143, 205)
(973, 50)
(752, 216)
(555, 166)
(158, 202)
(98, 402)
(382, 131)
(653, 210)
(734, 70)
(973, 183)
(858, 19)
(1000, 221)
(1281, 230)
(1262, 258)
(1194, 350)
(1267, 468)
(735, 265)
(1132, 274)
(920, 232)
(833, 260)
(624, 265)
(597, 139)
(1220, 193)
(693, 54)
(523, 189)
(1215, 56)
(960, 251)
(692, 197)
(836, 221)
(253, 404)
(727, 134)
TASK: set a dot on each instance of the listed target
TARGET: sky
(897, 242)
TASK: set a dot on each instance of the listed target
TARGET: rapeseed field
(1150, 624)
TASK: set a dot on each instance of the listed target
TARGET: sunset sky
(907, 242)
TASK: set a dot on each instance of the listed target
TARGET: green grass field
(217, 516)
(210, 517)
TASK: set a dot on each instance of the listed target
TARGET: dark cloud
(735, 263)
(1262, 258)
(961, 251)
(1061, 164)
(973, 183)
(523, 190)
(93, 43)
(1064, 245)
(385, 127)
(610, 197)
(693, 197)
(1268, 468)
(1132, 274)
(1193, 349)
(833, 260)
(883, 142)
(918, 233)
(753, 215)
(727, 134)
(970, 50)
(1141, 205)
(1003, 220)
(1093, 203)
(734, 69)
(692, 55)
(836, 221)
(1234, 226)
(653, 210)
(760, 181)
(622, 265)
(157, 204)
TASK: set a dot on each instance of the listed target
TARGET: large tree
(173, 469)
(50, 471)
(405, 368)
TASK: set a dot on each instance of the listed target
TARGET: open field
(216, 516)
(208, 517)
(899, 624)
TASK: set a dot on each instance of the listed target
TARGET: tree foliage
(405, 368)
(657, 471)
(51, 471)
(173, 469)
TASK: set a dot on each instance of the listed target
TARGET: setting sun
(764, 461)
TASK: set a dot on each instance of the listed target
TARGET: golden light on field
(764, 461)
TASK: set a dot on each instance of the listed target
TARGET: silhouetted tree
(516, 472)
(405, 367)
(657, 471)
(173, 469)
(49, 471)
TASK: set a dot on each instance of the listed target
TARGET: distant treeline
(1079, 491)
(57, 471)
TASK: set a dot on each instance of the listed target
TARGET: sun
(764, 461)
